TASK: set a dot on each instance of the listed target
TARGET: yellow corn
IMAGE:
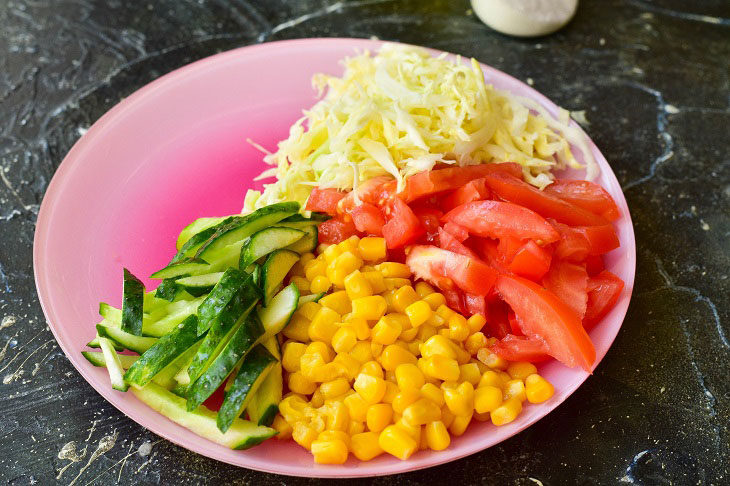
(304, 434)
(519, 370)
(282, 427)
(418, 312)
(492, 360)
(444, 312)
(369, 308)
(349, 363)
(538, 389)
(426, 331)
(396, 283)
(460, 399)
(491, 378)
(329, 451)
(482, 367)
(507, 412)
(475, 342)
(344, 339)
(437, 345)
(375, 279)
(372, 249)
(394, 355)
(504, 376)
(414, 346)
(437, 436)
(332, 252)
(360, 325)
(314, 269)
(291, 408)
(357, 286)
(447, 417)
(459, 330)
(323, 326)
(515, 389)
(408, 375)
(405, 398)
(433, 393)
(291, 352)
(337, 301)
(350, 244)
(421, 412)
(321, 349)
(403, 297)
(409, 335)
(341, 267)
(355, 427)
(436, 320)
(306, 258)
(487, 398)
(362, 352)
(298, 328)
(386, 331)
(476, 322)
(308, 310)
(441, 368)
(376, 349)
(317, 399)
(338, 416)
(396, 441)
(423, 289)
(335, 435)
(371, 388)
(372, 368)
(301, 282)
(459, 425)
(393, 269)
(379, 416)
(470, 372)
(390, 376)
(334, 388)
(320, 283)
(365, 445)
(357, 407)
(435, 300)
(298, 383)
(413, 430)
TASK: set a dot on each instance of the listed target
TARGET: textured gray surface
(652, 78)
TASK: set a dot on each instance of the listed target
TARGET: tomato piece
(569, 282)
(519, 192)
(475, 190)
(368, 219)
(449, 242)
(372, 191)
(454, 300)
(324, 200)
(440, 266)
(487, 248)
(587, 195)
(495, 219)
(603, 292)
(441, 180)
(457, 231)
(475, 304)
(514, 324)
(429, 219)
(336, 229)
(531, 261)
(601, 239)
(519, 348)
(403, 227)
(508, 247)
(594, 265)
(543, 315)
(578, 242)
(497, 320)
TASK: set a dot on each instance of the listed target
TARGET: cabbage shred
(402, 111)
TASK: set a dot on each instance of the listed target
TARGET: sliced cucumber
(274, 270)
(96, 358)
(306, 243)
(113, 365)
(186, 266)
(278, 313)
(94, 343)
(265, 241)
(138, 344)
(244, 338)
(168, 289)
(196, 227)
(133, 299)
(313, 218)
(193, 244)
(242, 434)
(252, 374)
(200, 284)
(231, 283)
(303, 299)
(174, 314)
(163, 352)
(264, 405)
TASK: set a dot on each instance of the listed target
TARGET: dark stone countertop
(652, 78)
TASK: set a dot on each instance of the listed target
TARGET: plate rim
(72, 159)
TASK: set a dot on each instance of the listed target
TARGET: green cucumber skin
(186, 266)
(314, 218)
(169, 289)
(138, 344)
(275, 269)
(196, 227)
(240, 343)
(241, 435)
(264, 405)
(132, 302)
(191, 246)
(278, 314)
(252, 373)
(265, 241)
(232, 282)
(176, 312)
(164, 352)
(306, 243)
(113, 365)
(309, 298)
(96, 358)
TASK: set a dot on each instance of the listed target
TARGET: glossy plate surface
(176, 150)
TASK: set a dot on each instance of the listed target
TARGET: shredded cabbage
(402, 111)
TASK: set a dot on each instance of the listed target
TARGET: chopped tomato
(475, 190)
(508, 247)
(494, 219)
(436, 181)
(324, 200)
(531, 261)
(519, 192)
(578, 242)
(543, 315)
(570, 283)
(457, 231)
(514, 324)
(429, 219)
(455, 300)
(603, 292)
(519, 348)
(475, 304)
(368, 219)
(449, 242)
(336, 229)
(372, 191)
(443, 267)
(487, 248)
(594, 265)
(587, 195)
(403, 227)
(497, 321)
(601, 239)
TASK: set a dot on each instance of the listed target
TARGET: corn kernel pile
(380, 365)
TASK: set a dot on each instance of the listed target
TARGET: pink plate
(176, 150)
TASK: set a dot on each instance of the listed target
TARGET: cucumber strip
(138, 344)
(96, 358)
(256, 366)
(186, 266)
(231, 283)
(235, 350)
(94, 343)
(303, 299)
(264, 405)
(265, 241)
(204, 283)
(176, 312)
(242, 434)
(220, 332)
(196, 227)
(113, 365)
(193, 244)
(241, 227)
(169, 289)
(278, 313)
(274, 270)
(306, 243)
(313, 218)
(163, 352)
(166, 377)
(152, 303)
(256, 274)
(132, 301)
